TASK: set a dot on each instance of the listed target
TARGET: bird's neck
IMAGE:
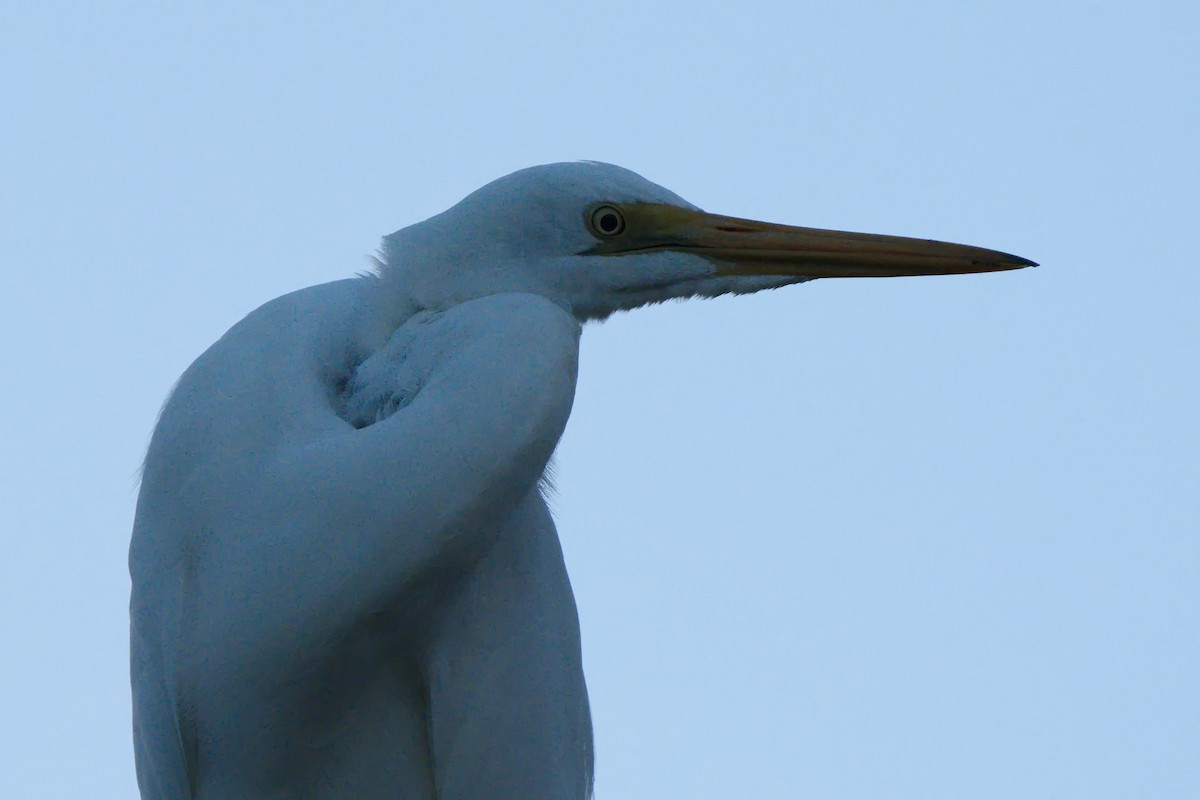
(387, 303)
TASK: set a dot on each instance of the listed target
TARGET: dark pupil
(609, 222)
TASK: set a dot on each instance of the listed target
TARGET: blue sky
(914, 538)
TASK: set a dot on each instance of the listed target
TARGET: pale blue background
(923, 538)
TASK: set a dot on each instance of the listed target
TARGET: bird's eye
(607, 221)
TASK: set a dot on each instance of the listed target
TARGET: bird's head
(598, 238)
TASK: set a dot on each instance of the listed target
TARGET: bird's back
(230, 405)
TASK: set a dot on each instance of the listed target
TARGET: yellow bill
(749, 247)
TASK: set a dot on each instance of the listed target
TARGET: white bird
(346, 583)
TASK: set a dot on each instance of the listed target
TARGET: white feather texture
(345, 582)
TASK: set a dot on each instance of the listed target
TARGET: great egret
(346, 583)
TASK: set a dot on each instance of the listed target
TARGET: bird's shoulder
(271, 371)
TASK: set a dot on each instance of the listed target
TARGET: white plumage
(345, 581)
